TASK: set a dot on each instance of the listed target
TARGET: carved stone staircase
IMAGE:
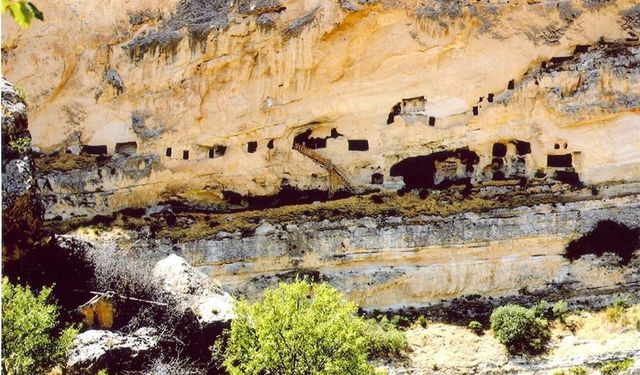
(336, 175)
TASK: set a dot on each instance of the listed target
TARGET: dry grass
(64, 162)
(456, 350)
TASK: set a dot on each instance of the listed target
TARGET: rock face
(428, 261)
(22, 209)
(471, 91)
(194, 291)
(95, 350)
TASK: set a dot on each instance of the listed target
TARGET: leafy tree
(520, 329)
(31, 339)
(298, 329)
(23, 12)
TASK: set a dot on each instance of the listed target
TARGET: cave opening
(94, 150)
(418, 172)
(219, 151)
(168, 152)
(270, 144)
(358, 145)
(511, 85)
(490, 98)
(559, 161)
(377, 179)
(523, 148)
(475, 110)
(395, 111)
(252, 146)
(568, 177)
(432, 121)
(499, 150)
(127, 148)
(185, 155)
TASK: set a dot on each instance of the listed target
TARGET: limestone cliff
(206, 97)
(493, 133)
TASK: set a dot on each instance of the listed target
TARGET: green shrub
(32, 341)
(298, 328)
(542, 309)
(520, 329)
(615, 367)
(476, 327)
(384, 338)
(560, 310)
(578, 370)
(400, 321)
(422, 321)
(20, 145)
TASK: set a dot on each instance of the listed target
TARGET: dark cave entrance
(358, 145)
(418, 172)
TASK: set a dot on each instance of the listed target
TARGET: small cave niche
(581, 49)
(556, 146)
(490, 98)
(523, 148)
(511, 85)
(211, 153)
(559, 59)
(358, 145)
(499, 150)
(568, 177)
(168, 152)
(606, 236)
(475, 110)
(302, 138)
(94, 150)
(395, 111)
(412, 105)
(252, 147)
(335, 134)
(559, 161)
(377, 179)
(127, 148)
(219, 151)
(185, 155)
(432, 121)
(270, 144)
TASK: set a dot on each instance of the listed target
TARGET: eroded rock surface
(22, 209)
(194, 291)
(95, 350)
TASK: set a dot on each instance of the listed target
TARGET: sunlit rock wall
(560, 76)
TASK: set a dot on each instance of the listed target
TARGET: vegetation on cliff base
(520, 329)
(616, 367)
(299, 328)
(32, 340)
